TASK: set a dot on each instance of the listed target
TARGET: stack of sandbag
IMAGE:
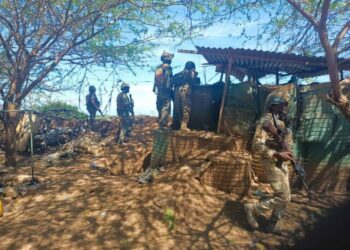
(228, 171)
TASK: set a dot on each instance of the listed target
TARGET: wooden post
(277, 78)
(227, 79)
(31, 145)
(221, 76)
(341, 75)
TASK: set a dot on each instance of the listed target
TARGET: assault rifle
(279, 135)
(131, 105)
(100, 111)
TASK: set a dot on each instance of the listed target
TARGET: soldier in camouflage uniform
(92, 105)
(163, 88)
(267, 147)
(183, 83)
(124, 109)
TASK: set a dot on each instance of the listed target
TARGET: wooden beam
(187, 51)
(223, 99)
(221, 76)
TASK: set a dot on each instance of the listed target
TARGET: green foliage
(169, 217)
(277, 25)
(63, 37)
(61, 109)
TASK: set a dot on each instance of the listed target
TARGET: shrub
(62, 110)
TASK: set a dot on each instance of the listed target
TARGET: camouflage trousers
(182, 105)
(125, 126)
(279, 181)
(92, 118)
(163, 106)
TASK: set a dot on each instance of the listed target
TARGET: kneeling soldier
(267, 147)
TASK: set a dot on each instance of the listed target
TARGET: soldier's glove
(284, 156)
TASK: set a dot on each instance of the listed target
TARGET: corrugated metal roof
(260, 63)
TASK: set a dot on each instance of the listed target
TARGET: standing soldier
(183, 83)
(267, 147)
(125, 107)
(163, 89)
(92, 105)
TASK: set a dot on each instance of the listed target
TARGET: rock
(49, 160)
(22, 178)
(23, 191)
(100, 163)
(107, 141)
(10, 192)
(7, 179)
(105, 165)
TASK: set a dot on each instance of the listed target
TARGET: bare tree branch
(324, 14)
(300, 9)
(341, 35)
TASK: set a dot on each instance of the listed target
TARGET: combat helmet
(276, 99)
(166, 56)
(124, 86)
(190, 65)
(92, 89)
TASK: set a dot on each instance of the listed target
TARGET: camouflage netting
(220, 164)
(229, 171)
(323, 140)
(170, 146)
(321, 137)
(241, 111)
(206, 101)
(321, 132)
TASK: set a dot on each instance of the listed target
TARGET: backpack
(162, 76)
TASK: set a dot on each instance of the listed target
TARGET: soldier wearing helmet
(268, 152)
(92, 105)
(183, 83)
(163, 88)
(125, 110)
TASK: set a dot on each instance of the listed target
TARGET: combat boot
(184, 127)
(271, 226)
(249, 210)
(163, 127)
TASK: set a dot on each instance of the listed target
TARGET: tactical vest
(89, 101)
(123, 102)
(162, 76)
(185, 77)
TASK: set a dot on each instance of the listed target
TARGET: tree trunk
(336, 98)
(10, 124)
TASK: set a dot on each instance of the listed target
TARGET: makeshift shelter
(321, 133)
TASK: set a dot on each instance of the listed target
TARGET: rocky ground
(79, 207)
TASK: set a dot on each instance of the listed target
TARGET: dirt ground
(76, 207)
